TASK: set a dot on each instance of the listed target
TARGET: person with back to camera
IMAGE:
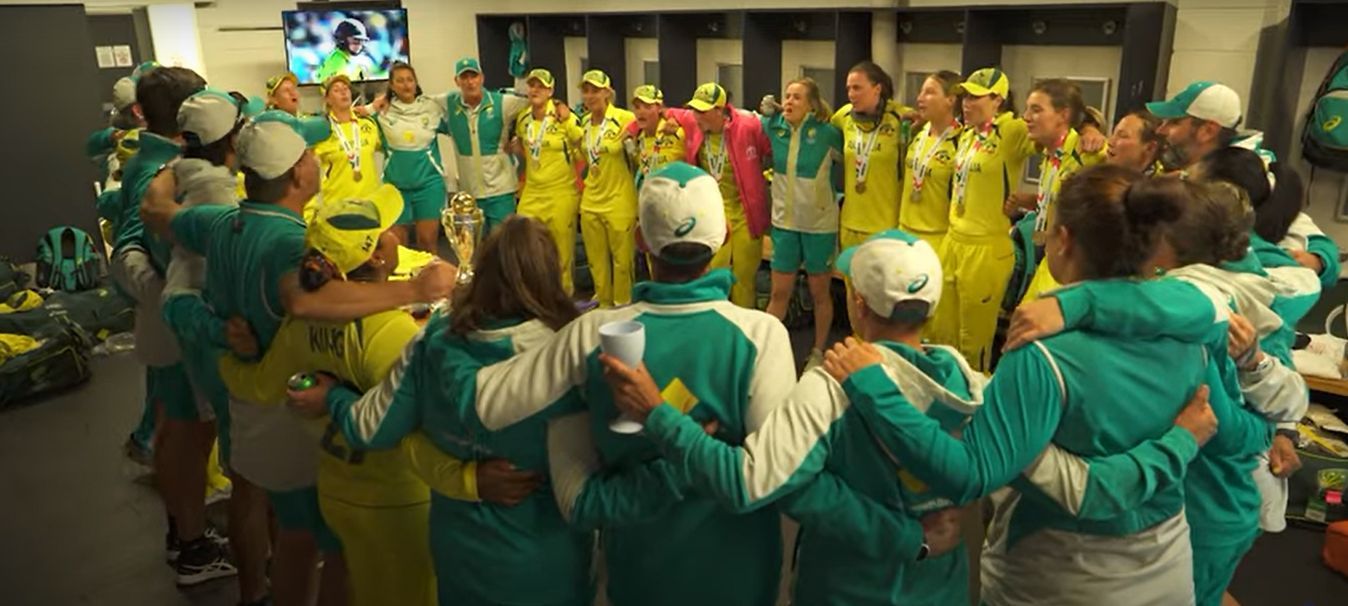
(1108, 223)
(259, 244)
(513, 547)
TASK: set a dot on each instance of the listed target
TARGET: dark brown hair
(1214, 226)
(393, 71)
(682, 262)
(1276, 206)
(161, 91)
(877, 75)
(1064, 94)
(1115, 216)
(516, 277)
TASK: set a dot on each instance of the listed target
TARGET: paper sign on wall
(104, 54)
(122, 55)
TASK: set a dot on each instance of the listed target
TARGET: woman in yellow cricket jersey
(283, 93)
(608, 202)
(875, 137)
(346, 159)
(375, 501)
(925, 211)
(549, 136)
(371, 500)
(656, 139)
(976, 253)
(1053, 111)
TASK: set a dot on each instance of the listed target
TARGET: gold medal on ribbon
(356, 175)
(861, 187)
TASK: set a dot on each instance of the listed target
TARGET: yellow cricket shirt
(730, 191)
(989, 164)
(360, 353)
(338, 172)
(610, 185)
(926, 183)
(876, 208)
(550, 148)
(660, 149)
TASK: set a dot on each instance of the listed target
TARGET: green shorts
(791, 249)
(423, 203)
(298, 510)
(496, 210)
(169, 387)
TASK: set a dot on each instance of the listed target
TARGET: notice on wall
(121, 53)
(105, 59)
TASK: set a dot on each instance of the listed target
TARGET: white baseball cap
(891, 267)
(681, 203)
(1203, 100)
(123, 93)
(211, 114)
(274, 141)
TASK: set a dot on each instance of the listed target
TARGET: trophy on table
(462, 221)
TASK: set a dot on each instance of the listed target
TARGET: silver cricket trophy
(462, 221)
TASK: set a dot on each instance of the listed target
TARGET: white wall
(926, 59)
(712, 52)
(797, 54)
(639, 50)
(576, 48)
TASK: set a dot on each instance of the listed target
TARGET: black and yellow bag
(60, 361)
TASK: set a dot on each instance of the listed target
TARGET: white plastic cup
(625, 341)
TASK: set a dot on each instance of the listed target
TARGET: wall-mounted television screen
(362, 44)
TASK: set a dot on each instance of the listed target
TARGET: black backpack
(1324, 135)
(66, 260)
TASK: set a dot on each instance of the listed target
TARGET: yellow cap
(543, 76)
(596, 78)
(986, 81)
(648, 93)
(274, 82)
(347, 231)
(708, 96)
(327, 84)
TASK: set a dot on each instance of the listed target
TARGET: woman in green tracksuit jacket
(830, 457)
(409, 125)
(806, 151)
(1209, 247)
(1062, 391)
(662, 546)
(483, 553)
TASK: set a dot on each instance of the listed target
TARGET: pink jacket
(748, 148)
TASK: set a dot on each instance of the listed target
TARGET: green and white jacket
(1091, 394)
(525, 554)
(857, 507)
(480, 136)
(664, 543)
(409, 132)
